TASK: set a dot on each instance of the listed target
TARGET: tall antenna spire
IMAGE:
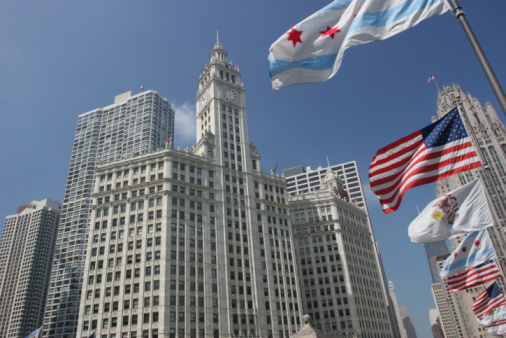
(218, 53)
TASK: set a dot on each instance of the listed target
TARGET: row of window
(135, 171)
(126, 320)
(121, 233)
(128, 289)
(119, 248)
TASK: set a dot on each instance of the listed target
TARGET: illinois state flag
(312, 50)
(459, 212)
(437, 151)
(475, 249)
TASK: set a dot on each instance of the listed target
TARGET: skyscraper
(194, 242)
(339, 262)
(395, 305)
(435, 323)
(302, 180)
(132, 124)
(489, 137)
(433, 250)
(456, 318)
(26, 254)
(407, 321)
(436, 251)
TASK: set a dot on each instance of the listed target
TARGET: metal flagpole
(436, 85)
(496, 86)
(433, 78)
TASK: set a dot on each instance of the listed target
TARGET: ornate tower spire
(218, 54)
(221, 93)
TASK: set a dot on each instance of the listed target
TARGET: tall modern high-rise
(301, 180)
(343, 286)
(435, 323)
(433, 250)
(456, 317)
(195, 242)
(132, 124)
(407, 320)
(26, 254)
(395, 305)
(489, 137)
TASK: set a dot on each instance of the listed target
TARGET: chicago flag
(475, 249)
(312, 50)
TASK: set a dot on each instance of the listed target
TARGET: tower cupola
(218, 54)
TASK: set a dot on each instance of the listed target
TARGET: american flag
(477, 275)
(495, 317)
(488, 300)
(167, 140)
(499, 330)
(431, 78)
(497, 323)
(437, 151)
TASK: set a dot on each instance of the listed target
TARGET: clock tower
(251, 218)
(222, 131)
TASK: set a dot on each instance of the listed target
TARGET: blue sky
(60, 59)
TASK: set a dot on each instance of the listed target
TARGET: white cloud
(185, 125)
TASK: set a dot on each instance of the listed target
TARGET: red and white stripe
(484, 304)
(497, 323)
(474, 276)
(408, 163)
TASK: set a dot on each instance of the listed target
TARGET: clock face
(230, 94)
(204, 98)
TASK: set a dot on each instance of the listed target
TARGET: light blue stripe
(278, 66)
(471, 258)
(336, 6)
(383, 18)
(370, 19)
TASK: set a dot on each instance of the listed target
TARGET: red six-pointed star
(455, 254)
(477, 243)
(464, 249)
(294, 36)
(330, 32)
